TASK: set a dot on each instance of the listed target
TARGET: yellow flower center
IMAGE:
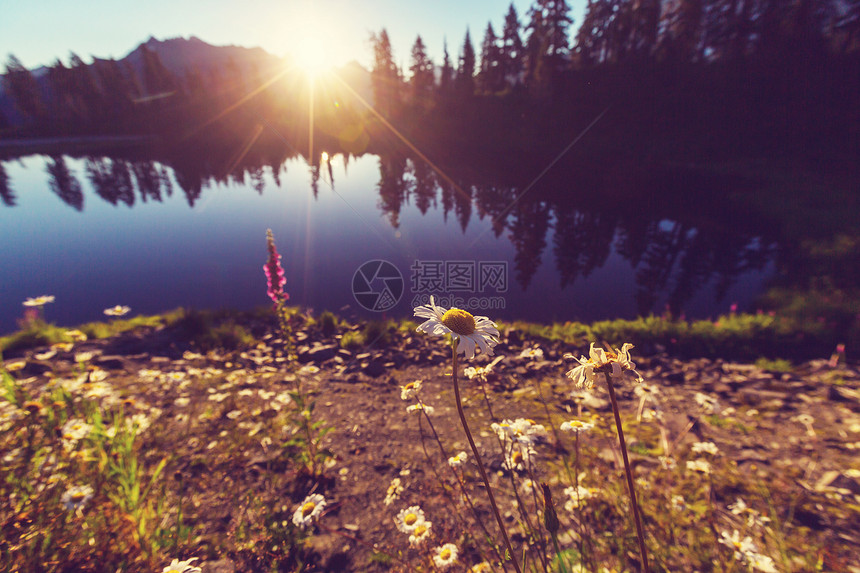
(459, 321)
(517, 458)
(410, 519)
(78, 496)
(308, 508)
(446, 554)
(420, 530)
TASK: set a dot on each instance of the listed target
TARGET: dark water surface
(97, 232)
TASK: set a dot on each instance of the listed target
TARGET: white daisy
(457, 460)
(576, 426)
(599, 360)
(742, 547)
(445, 556)
(77, 496)
(309, 510)
(532, 353)
(705, 447)
(700, 466)
(421, 533)
(177, 566)
(407, 520)
(39, 300)
(117, 310)
(471, 331)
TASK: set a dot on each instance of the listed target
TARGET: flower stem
(639, 533)
(510, 549)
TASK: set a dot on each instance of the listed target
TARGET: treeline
(206, 99)
(680, 76)
(701, 75)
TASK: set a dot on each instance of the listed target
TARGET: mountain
(179, 55)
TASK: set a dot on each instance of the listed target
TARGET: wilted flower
(394, 491)
(410, 390)
(177, 566)
(117, 310)
(39, 300)
(77, 496)
(275, 279)
(408, 519)
(599, 360)
(419, 407)
(309, 510)
(471, 331)
(445, 556)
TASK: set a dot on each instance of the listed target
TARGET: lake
(572, 244)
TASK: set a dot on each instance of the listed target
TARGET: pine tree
(421, 82)
(466, 69)
(385, 77)
(446, 73)
(24, 89)
(512, 50)
(490, 76)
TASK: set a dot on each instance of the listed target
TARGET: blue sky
(39, 31)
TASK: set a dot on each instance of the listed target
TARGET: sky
(332, 32)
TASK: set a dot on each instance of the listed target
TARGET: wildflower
(77, 496)
(577, 496)
(39, 300)
(76, 335)
(15, 366)
(481, 372)
(45, 355)
(646, 391)
(705, 447)
(761, 562)
(471, 331)
(754, 518)
(410, 518)
(678, 503)
(576, 426)
(418, 407)
(394, 491)
(410, 390)
(421, 533)
(707, 403)
(62, 346)
(457, 460)
(275, 279)
(117, 310)
(741, 547)
(532, 353)
(177, 566)
(521, 430)
(482, 567)
(518, 457)
(74, 430)
(667, 462)
(446, 556)
(700, 466)
(599, 360)
(309, 510)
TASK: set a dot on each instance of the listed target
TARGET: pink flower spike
(275, 279)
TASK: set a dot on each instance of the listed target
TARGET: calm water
(100, 232)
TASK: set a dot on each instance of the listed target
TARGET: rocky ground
(215, 416)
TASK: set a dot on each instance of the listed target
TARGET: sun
(312, 44)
